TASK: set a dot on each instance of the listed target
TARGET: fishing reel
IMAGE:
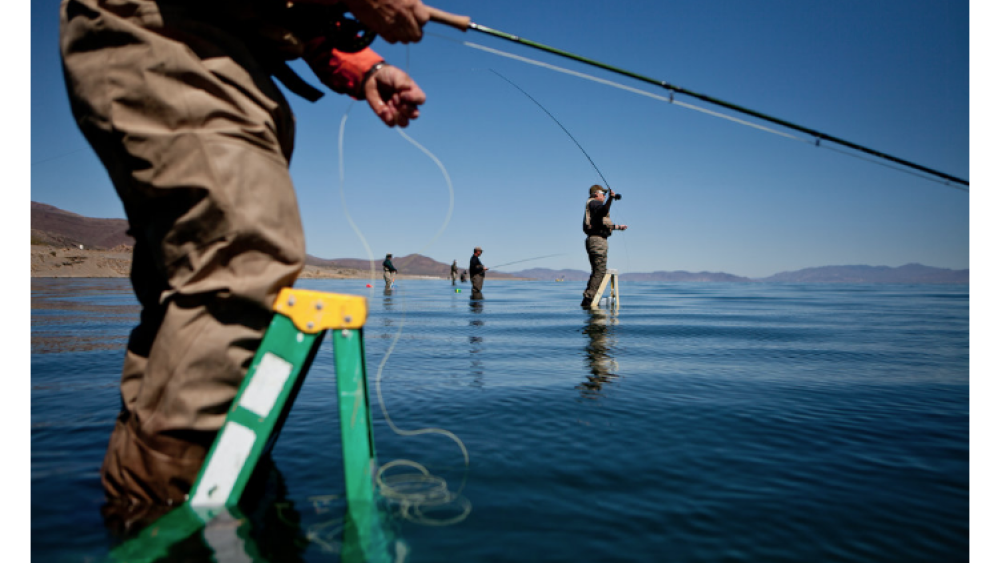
(616, 197)
(348, 34)
(343, 31)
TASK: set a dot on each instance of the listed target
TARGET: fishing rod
(464, 23)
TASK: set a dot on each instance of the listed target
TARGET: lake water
(702, 422)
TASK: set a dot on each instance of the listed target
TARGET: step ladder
(610, 278)
(259, 410)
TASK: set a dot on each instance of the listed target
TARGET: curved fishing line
(579, 146)
(411, 491)
(671, 100)
(447, 179)
(343, 200)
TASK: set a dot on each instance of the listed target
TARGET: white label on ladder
(231, 452)
(266, 384)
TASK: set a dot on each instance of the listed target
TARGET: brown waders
(196, 139)
(597, 252)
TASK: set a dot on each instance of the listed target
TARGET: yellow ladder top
(315, 311)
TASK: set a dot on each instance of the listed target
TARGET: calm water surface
(702, 422)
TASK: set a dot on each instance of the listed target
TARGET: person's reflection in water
(387, 306)
(476, 343)
(600, 329)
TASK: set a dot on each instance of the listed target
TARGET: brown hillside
(66, 231)
(53, 226)
(411, 264)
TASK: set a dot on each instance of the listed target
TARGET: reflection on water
(266, 527)
(476, 304)
(476, 324)
(800, 423)
(600, 331)
(69, 315)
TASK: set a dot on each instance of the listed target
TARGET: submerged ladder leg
(610, 277)
(259, 410)
(613, 293)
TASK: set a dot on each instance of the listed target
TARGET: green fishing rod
(465, 23)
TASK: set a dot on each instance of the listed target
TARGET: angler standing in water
(454, 271)
(478, 272)
(388, 272)
(178, 101)
(597, 225)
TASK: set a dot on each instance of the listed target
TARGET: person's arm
(390, 92)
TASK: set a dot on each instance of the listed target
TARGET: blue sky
(700, 192)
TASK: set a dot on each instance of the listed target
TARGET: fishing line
(621, 86)
(416, 492)
(527, 260)
(343, 200)
(557, 123)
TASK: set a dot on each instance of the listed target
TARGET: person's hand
(622, 227)
(611, 193)
(394, 96)
(393, 20)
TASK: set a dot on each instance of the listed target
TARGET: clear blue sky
(700, 192)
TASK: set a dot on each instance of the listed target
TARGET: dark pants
(196, 139)
(477, 282)
(597, 252)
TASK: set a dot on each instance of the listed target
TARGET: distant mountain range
(910, 273)
(53, 226)
(56, 227)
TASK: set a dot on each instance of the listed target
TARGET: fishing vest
(604, 230)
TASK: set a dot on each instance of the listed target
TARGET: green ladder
(254, 421)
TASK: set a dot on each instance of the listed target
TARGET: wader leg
(257, 414)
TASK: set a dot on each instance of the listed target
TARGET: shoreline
(68, 262)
